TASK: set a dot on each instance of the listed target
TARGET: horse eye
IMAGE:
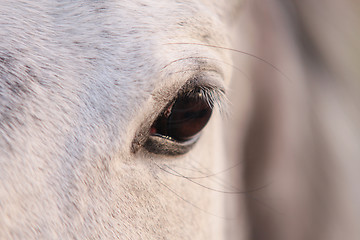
(184, 118)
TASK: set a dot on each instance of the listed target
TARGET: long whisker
(216, 179)
(237, 51)
(215, 59)
(177, 174)
(213, 174)
(249, 195)
(265, 205)
(190, 203)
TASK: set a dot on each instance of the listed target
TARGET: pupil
(188, 117)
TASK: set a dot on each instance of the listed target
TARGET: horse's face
(82, 88)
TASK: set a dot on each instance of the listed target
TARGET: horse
(175, 119)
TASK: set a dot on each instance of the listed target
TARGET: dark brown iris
(183, 119)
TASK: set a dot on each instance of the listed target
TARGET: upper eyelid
(210, 84)
(194, 64)
(214, 95)
(200, 61)
(209, 80)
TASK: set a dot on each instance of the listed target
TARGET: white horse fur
(81, 82)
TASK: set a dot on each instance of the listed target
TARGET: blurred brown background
(297, 118)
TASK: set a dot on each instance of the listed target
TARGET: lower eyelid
(159, 144)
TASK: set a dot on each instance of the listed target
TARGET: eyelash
(210, 94)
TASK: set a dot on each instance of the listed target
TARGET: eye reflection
(184, 118)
